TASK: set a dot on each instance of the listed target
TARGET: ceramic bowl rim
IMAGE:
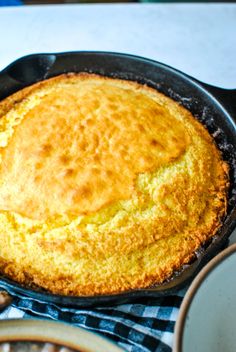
(30, 330)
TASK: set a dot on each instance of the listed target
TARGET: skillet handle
(225, 96)
(25, 71)
(31, 68)
(5, 300)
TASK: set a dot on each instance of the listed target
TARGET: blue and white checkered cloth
(144, 326)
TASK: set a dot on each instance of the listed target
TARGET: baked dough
(106, 185)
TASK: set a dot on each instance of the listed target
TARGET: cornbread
(106, 185)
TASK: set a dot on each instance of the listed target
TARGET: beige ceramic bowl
(67, 336)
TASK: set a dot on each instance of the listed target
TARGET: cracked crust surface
(105, 185)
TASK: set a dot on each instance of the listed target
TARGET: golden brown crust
(84, 172)
(123, 211)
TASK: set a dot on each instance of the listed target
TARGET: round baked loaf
(106, 185)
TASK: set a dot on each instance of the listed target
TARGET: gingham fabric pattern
(139, 327)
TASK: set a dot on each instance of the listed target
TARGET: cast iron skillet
(214, 107)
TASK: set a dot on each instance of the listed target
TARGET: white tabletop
(199, 39)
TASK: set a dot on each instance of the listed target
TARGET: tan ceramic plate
(58, 333)
(207, 317)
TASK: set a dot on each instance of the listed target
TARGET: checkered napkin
(144, 326)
